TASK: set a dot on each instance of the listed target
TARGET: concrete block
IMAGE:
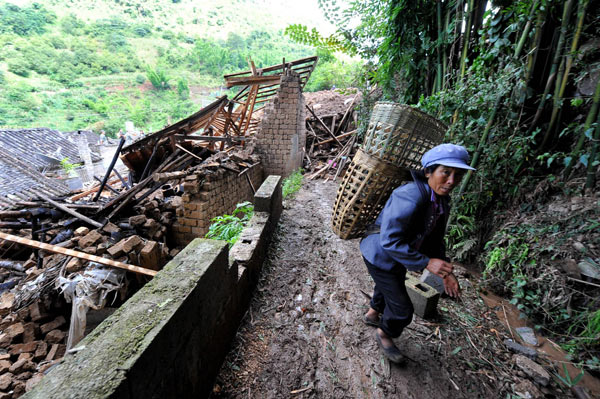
(433, 280)
(268, 197)
(423, 297)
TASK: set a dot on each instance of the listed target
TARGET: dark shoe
(392, 353)
(371, 322)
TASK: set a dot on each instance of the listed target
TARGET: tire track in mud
(303, 335)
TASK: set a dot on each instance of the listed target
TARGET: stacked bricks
(281, 138)
(211, 195)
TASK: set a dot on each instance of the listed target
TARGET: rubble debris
(532, 369)
(331, 132)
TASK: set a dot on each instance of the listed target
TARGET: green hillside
(95, 64)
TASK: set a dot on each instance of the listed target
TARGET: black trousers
(391, 299)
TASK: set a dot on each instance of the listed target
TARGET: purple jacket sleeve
(396, 223)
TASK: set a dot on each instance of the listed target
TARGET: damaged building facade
(100, 245)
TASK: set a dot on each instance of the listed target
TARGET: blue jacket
(403, 223)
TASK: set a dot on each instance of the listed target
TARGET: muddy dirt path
(303, 336)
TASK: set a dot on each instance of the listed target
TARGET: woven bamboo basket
(395, 141)
(401, 134)
(366, 186)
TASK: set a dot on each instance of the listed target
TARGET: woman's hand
(439, 267)
(451, 286)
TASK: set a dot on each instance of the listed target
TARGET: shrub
(19, 67)
(158, 78)
(182, 89)
(140, 79)
(292, 183)
(229, 227)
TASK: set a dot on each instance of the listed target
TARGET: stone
(37, 312)
(25, 375)
(33, 381)
(17, 349)
(53, 325)
(74, 265)
(125, 246)
(520, 349)
(22, 365)
(4, 366)
(90, 250)
(528, 335)
(6, 381)
(41, 351)
(26, 356)
(110, 228)
(29, 264)
(18, 388)
(14, 331)
(6, 301)
(137, 220)
(81, 231)
(90, 239)
(29, 332)
(4, 355)
(23, 314)
(52, 353)
(5, 340)
(55, 337)
(150, 255)
(532, 369)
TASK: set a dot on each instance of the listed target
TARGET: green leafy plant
(229, 227)
(68, 167)
(292, 183)
(158, 77)
(567, 380)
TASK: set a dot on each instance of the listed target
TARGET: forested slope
(95, 64)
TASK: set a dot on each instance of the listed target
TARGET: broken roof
(31, 145)
(21, 182)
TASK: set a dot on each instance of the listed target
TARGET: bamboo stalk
(526, 30)
(591, 172)
(440, 47)
(563, 73)
(533, 51)
(588, 122)
(553, 69)
(481, 144)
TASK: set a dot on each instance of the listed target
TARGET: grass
(292, 184)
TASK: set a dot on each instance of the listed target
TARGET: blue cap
(452, 155)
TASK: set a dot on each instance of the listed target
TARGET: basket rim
(424, 114)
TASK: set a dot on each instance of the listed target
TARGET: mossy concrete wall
(169, 340)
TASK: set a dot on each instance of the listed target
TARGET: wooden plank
(77, 254)
(70, 211)
(325, 126)
(341, 136)
(209, 138)
(252, 80)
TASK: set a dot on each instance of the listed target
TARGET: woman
(409, 235)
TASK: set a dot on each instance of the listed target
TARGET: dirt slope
(303, 337)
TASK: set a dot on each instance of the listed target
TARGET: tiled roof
(25, 144)
(20, 182)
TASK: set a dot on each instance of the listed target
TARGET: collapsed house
(98, 246)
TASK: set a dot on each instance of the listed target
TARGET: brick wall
(281, 138)
(207, 195)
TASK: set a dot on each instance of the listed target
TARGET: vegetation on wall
(518, 84)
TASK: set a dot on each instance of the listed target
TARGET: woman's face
(444, 178)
